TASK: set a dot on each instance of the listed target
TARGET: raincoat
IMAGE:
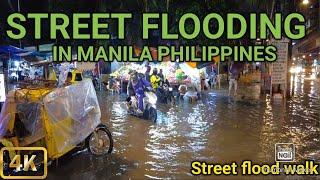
(155, 81)
(139, 91)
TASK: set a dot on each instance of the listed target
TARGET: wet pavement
(217, 129)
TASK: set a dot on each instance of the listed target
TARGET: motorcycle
(165, 94)
(149, 106)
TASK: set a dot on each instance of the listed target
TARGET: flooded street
(217, 129)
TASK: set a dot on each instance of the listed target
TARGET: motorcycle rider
(139, 84)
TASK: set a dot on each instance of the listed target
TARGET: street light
(305, 2)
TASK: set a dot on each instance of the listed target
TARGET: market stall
(24, 64)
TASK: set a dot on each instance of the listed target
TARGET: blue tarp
(15, 52)
(11, 50)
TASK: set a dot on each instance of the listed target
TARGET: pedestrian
(155, 79)
(233, 80)
(161, 76)
(182, 91)
(130, 90)
(147, 73)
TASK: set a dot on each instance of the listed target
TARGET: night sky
(11, 6)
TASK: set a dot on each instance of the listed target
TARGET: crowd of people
(154, 80)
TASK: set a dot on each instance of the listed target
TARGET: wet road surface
(217, 129)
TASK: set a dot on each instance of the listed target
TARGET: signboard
(2, 89)
(280, 66)
(30, 48)
(45, 47)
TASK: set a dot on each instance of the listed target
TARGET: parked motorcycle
(149, 109)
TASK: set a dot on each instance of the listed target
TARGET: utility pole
(20, 44)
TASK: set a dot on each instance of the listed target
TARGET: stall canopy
(33, 57)
(215, 60)
(12, 50)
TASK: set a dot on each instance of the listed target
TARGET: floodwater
(218, 129)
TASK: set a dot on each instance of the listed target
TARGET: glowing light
(305, 2)
(296, 70)
(313, 76)
(303, 56)
(16, 63)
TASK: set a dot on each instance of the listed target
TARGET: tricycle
(58, 119)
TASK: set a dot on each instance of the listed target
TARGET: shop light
(16, 63)
(296, 70)
(303, 56)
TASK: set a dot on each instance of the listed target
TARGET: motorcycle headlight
(153, 100)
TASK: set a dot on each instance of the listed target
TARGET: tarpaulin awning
(215, 60)
(27, 55)
(11, 50)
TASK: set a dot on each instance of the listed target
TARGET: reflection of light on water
(178, 133)
(209, 131)
(199, 126)
(117, 110)
(268, 133)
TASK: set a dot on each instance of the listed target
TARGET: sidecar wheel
(100, 142)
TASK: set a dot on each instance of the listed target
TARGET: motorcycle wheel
(153, 114)
(100, 142)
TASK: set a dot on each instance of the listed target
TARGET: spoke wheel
(100, 142)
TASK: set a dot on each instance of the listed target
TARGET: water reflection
(218, 129)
